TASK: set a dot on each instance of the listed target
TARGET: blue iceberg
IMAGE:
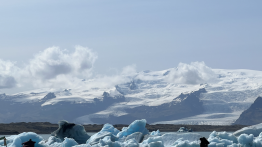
(135, 135)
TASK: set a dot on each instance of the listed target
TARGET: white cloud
(53, 62)
(194, 73)
(55, 67)
(7, 70)
(51, 68)
(129, 70)
(104, 81)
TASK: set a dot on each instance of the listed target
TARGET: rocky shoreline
(47, 128)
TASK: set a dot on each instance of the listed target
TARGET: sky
(46, 40)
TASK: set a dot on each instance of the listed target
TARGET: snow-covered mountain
(216, 96)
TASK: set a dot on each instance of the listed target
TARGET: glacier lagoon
(137, 135)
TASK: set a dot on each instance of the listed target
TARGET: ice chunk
(246, 140)
(255, 130)
(130, 143)
(138, 136)
(110, 128)
(69, 142)
(233, 145)
(156, 144)
(223, 135)
(152, 139)
(94, 139)
(83, 145)
(107, 130)
(257, 142)
(107, 142)
(70, 130)
(174, 139)
(136, 126)
(214, 141)
(52, 139)
(185, 143)
(170, 138)
(155, 133)
(17, 140)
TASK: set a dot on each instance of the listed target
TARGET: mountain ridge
(227, 95)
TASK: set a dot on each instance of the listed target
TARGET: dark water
(46, 136)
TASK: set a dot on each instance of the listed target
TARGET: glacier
(228, 94)
(136, 135)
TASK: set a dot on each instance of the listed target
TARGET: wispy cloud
(7, 74)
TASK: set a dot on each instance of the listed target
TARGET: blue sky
(151, 34)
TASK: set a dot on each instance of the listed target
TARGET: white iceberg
(255, 130)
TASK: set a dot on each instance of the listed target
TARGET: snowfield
(229, 92)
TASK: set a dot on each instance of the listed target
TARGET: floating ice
(70, 130)
(135, 135)
(255, 130)
(136, 126)
(17, 140)
(156, 133)
(107, 130)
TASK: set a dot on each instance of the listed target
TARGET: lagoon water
(46, 136)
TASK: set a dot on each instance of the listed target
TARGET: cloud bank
(53, 62)
(49, 68)
(194, 73)
(58, 68)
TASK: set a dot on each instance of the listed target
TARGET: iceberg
(136, 126)
(255, 130)
(70, 130)
(135, 135)
(156, 133)
(107, 130)
(17, 140)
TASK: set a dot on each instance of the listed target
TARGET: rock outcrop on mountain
(253, 115)
(185, 105)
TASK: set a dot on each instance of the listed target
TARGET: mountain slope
(154, 95)
(253, 115)
(184, 105)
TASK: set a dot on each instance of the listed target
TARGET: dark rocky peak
(198, 92)
(119, 90)
(166, 73)
(253, 115)
(181, 97)
(132, 85)
(192, 95)
(106, 94)
(49, 96)
(257, 103)
(2, 96)
(67, 92)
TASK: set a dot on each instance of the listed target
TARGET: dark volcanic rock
(185, 105)
(253, 115)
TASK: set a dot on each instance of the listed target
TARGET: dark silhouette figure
(29, 143)
(204, 142)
